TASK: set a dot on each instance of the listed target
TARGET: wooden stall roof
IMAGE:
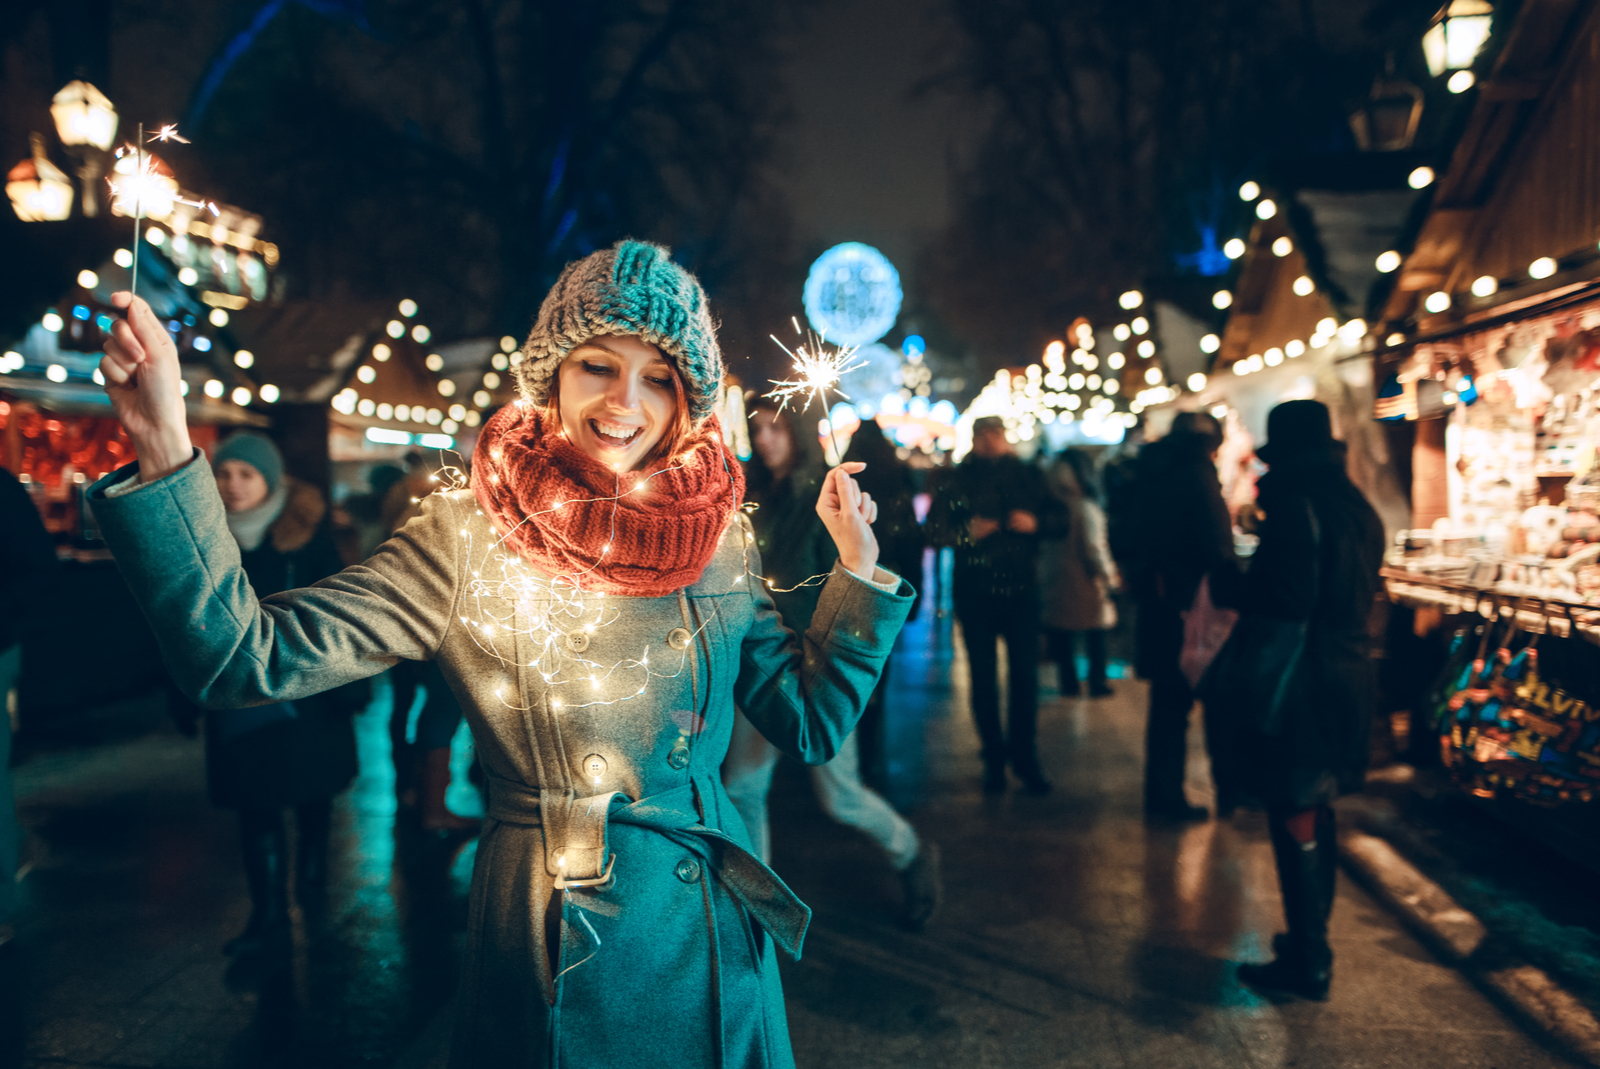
(1524, 179)
(306, 348)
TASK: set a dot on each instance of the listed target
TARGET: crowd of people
(782, 613)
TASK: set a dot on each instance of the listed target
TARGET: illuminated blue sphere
(852, 294)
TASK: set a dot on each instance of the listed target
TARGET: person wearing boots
(1317, 564)
(994, 508)
(1078, 576)
(421, 756)
(294, 755)
(1177, 532)
(783, 479)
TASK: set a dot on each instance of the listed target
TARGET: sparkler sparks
(818, 369)
(168, 132)
(150, 191)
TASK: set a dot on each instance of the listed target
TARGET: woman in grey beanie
(594, 600)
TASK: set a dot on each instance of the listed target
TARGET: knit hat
(256, 450)
(1295, 428)
(632, 288)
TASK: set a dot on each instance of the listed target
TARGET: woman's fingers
(125, 344)
(113, 371)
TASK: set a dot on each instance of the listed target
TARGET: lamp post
(38, 190)
(87, 125)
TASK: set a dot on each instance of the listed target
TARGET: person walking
(887, 478)
(994, 508)
(590, 597)
(783, 478)
(1078, 577)
(1316, 566)
(287, 755)
(1178, 532)
(27, 564)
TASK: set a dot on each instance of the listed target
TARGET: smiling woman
(621, 401)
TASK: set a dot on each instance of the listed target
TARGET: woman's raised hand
(848, 513)
(144, 382)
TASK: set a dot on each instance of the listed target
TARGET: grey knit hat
(256, 450)
(632, 288)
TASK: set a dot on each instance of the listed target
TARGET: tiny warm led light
(1197, 382)
(1388, 261)
(1461, 81)
(218, 317)
(122, 258)
(1210, 343)
(1485, 286)
(408, 308)
(1543, 267)
(1282, 247)
(1437, 301)
(88, 279)
(1233, 248)
(269, 393)
(1249, 191)
(1421, 178)
(1266, 209)
(1294, 348)
(1221, 299)
(1303, 286)
(241, 396)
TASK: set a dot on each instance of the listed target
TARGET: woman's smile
(618, 398)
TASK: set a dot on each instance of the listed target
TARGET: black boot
(265, 850)
(312, 821)
(1026, 767)
(1303, 964)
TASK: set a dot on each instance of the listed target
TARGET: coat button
(594, 766)
(688, 870)
(679, 757)
(678, 638)
(578, 641)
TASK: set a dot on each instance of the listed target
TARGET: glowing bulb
(1273, 356)
(1266, 209)
(1282, 247)
(1421, 178)
(188, 276)
(1249, 191)
(435, 362)
(395, 329)
(1121, 332)
(1221, 299)
(1147, 348)
(508, 344)
(420, 334)
(1115, 361)
(52, 322)
(1233, 249)
(56, 373)
(1210, 343)
(122, 258)
(366, 373)
(408, 308)
(241, 396)
(1485, 286)
(244, 358)
(218, 317)
(381, 352)
(214, 388)
(1461, 81)
(1153, 376)
(88, 279)
(1294, 348)
(1140, 325)
(1543, 267)
(1388, 261)
(1437, 301)
(1131, 299)
(447, 388)
(1197, 382)
(269, 392)
(1303, 286)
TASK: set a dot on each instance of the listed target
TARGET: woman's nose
(624, 393)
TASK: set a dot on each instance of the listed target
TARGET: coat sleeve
(806, 693)
(226, 649)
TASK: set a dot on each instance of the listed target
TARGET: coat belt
(577, 834)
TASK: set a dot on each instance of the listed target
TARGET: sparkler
(139, 183)
(818, 371)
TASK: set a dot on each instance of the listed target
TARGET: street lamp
(1457, 35)
(87, 125)
(38, 190)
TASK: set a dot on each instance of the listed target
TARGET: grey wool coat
(601, 723)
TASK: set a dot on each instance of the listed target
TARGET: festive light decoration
(818, 369)
(852, 294)
(1387, 261)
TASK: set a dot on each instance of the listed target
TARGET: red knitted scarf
(561, 510)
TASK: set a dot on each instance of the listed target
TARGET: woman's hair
(677, 430)
(759, 478)
(1081, 465)
(872, 447)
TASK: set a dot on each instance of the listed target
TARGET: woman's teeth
(614, 433)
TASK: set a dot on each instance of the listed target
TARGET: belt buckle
(601, 882)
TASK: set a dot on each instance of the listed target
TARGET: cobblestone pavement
(1072, 933)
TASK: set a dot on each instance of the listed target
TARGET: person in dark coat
(295, 755)
(1078, 577)
(27, 563)
(1321, 546)
(888, 480)
(994, 508)
(1177, 531)
(783, 479)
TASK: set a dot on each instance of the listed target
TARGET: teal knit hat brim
(632, 288)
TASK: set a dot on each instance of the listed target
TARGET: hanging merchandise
(1512, 724)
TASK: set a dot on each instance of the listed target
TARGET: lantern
(1387, 120)
(84, 116)
(38, 190)
(1457, 35)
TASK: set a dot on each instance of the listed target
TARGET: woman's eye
(596, 369)
(664, 384)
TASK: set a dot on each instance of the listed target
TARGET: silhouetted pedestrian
(1078, 577)
(994, 508)
(1177, 531)
(783, 479)
(888, 479)
(27, 562)
(1316, 566)
(295, 755)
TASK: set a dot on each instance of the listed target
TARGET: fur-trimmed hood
(301, 515)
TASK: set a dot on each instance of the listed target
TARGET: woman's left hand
(848, 512)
